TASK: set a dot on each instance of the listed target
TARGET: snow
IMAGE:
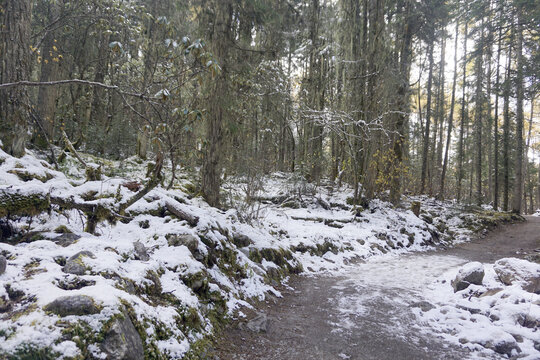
(481, 322)
(324, 234)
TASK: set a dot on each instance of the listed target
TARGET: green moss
(31, 352)
(28, 176)
(62, 229)
(23, 205)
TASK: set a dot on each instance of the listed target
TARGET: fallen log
(17, 203)
(181, 214)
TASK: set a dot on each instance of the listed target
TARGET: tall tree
(15, 66)
(518, 185)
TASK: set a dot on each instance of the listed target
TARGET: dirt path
(365, 313)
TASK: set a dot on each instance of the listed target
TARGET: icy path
(365, 313)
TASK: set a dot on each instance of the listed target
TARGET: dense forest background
(392, 97)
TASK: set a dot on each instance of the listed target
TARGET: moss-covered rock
(19, 204)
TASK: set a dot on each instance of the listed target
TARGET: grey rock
(528, 321)
(510, 271)
(140, 251)
(66, 239)
(241, 240)
(75, 264)
(472, 273)
(258, 324)
(122, 341)
(506, 347)
(423, 305)
(3, 264)
(72, 305)
(188, 240)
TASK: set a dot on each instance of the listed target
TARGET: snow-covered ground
(173, 279)
(498, 314)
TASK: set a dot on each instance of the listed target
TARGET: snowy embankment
(489, 308)
(157, 279)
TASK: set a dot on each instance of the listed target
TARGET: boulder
(72, 305)
(506, 347)
(512, 270)
(188, 240)
(122, 341)
(66, 239)
(423, 305)
(258, 324)
(3, 264)
(75, 264)
(241, 240)
(141, 253)
(471, 273)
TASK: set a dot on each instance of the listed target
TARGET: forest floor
(77, 277)
(370, 310)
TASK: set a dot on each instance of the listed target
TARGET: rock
(506, 347)
(518, 338)
(258, 324)
(140, 251)
(491, 292)
(241, 240)
(72, 305)
(423, 305)
(75, 264)
(471, 273)
(3, 264)
(528, 321)
(188, 240)
(74, 283)
(122, 341)
(511, 270)
(66, 239)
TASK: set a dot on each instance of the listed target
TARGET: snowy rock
(66, 239)
(471, 273)
(122, 341)
(491, 292)
(505, 347)
(258, 324)
(423, 305)
(140, 251)
(3, 264)
(528, 321)
(75, 264)
(241, 240)
(512, 270)
(188, 240)
(72, 305)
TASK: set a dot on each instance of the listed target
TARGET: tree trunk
(463, 114)
(425, 149)
(479, 106)
(496, 123)
(15, 66)
(451, 116)
(506, 129)
(46, 102)
(220, 41)
(518, 185)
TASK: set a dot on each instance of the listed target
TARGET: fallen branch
(181, 214)
(154, 181)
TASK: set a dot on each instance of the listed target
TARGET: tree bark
(451, 116)
(15, 66)
(518, 185)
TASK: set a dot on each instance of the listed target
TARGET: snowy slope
(177, 281)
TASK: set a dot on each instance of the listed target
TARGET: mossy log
(18, 204)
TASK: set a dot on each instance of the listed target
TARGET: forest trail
(365, 312)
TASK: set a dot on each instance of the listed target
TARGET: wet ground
(365, 312)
